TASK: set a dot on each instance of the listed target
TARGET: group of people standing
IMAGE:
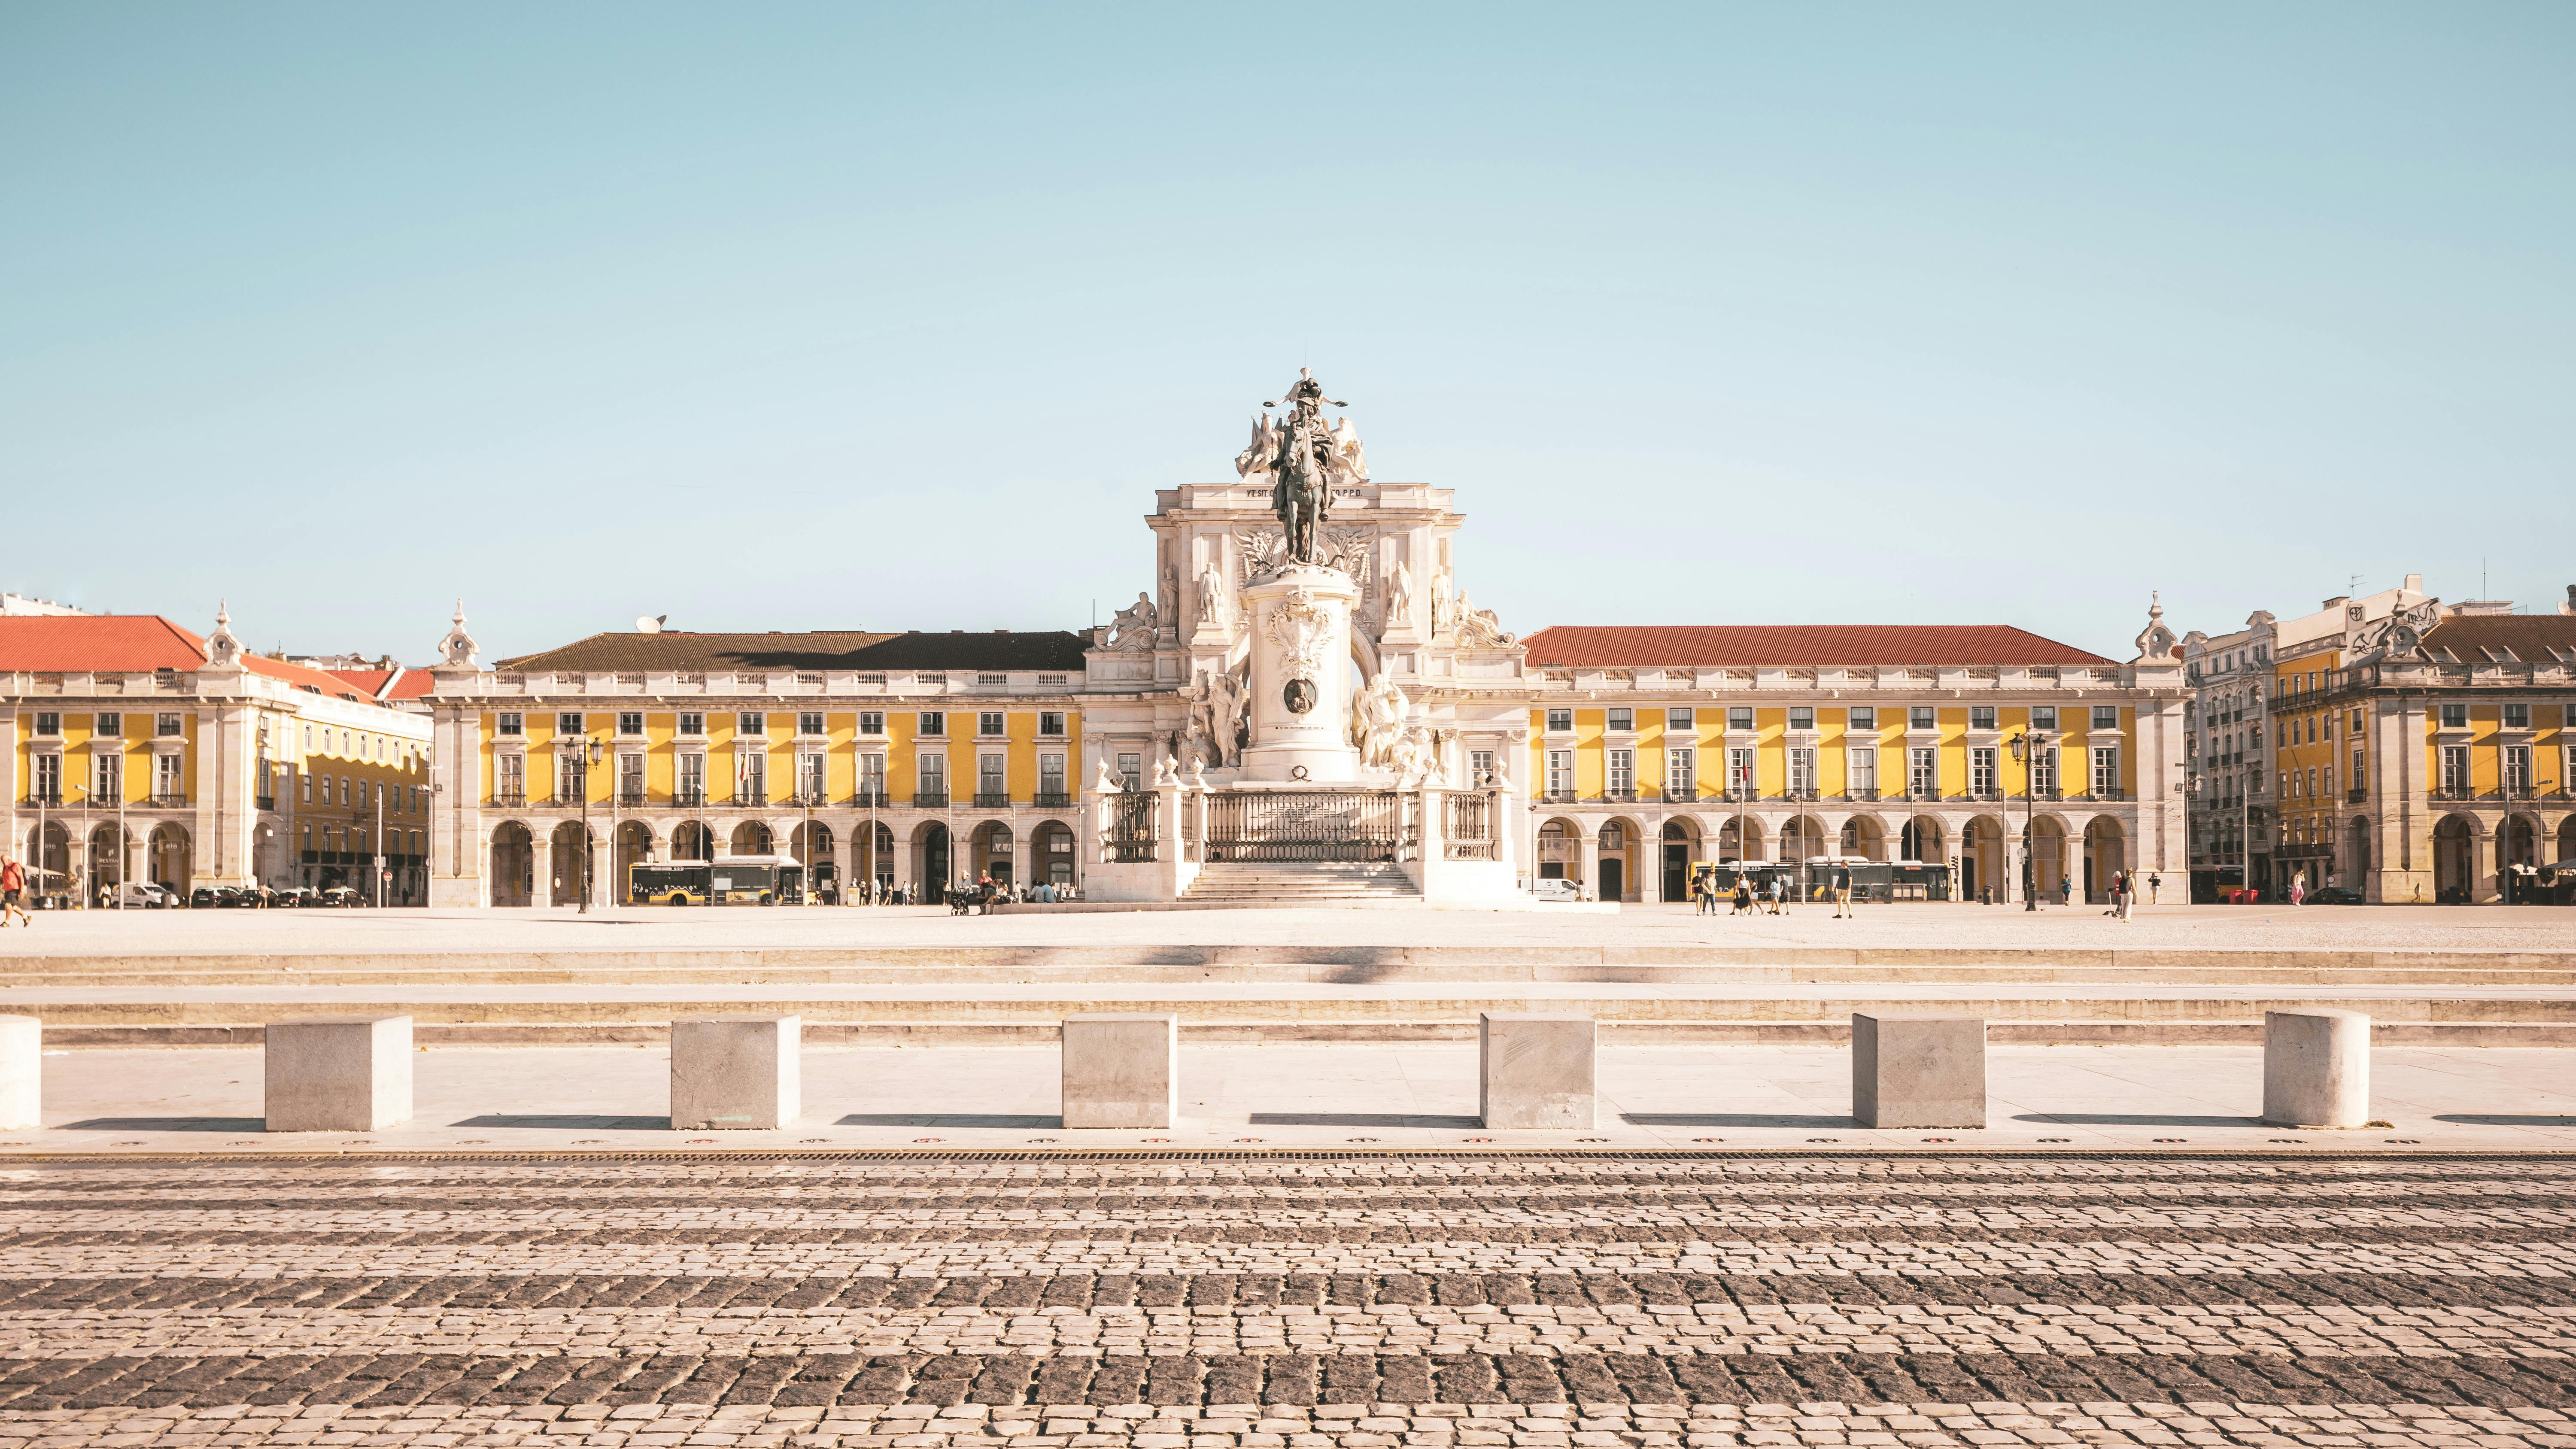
(1772, 897)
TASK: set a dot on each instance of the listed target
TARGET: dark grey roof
(825, 649)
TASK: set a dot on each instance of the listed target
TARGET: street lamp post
(2026, 748)
(585, 753)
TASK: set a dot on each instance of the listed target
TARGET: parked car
(296, 896)
(2335, 896)
(1556, 890)
(207, 897)
(143, 895)
(339, 895)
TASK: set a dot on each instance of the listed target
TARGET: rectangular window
(630, 722)
(749, 723)
(1623, 720)
(1739, 772)
(2517, 716)
(1678, 719)
(1131, 772)
(693, 779)
(2455, 716)
(111, 724)
(1480, 767)
(872, 722)
(1802, 717)
(2106, 769)
(2106, 716)
(2043, 716)
(1739, 717)
(572, 773)
(1920, 717)
(1051, 724)
(1802, 772)
(511, 723)
(307, 781)
(2043, 771)
(872, 776)
(107, 776)
(1560, 721)
(931, 722)
(750, 776)
(1981, 771)
(630, 777)
(932, 773)
(1622, 773)
(1981, 716)
(809, 775)
(568, 724)
(1560, 774)
(1050, 778)
(166, 776)
(1923, 771)
(988, 723)
(167, 726)
(1681, 773)
(2517, 769)
(1864, 717)
(2455, 769)
(509, 779)
(1863, 766)
(49, 779)
(693, 723)
(988, 774)
(48, 722)
(810, 722)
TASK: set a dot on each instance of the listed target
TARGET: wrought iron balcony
(264, 802)
(992, 799)
(2454, 792)
(1054, 800)
(630, 799)
(2357, 794)
(689, 797)
(872, 800)
(1862, 792)
(1627, 794)
(510, 799)
(51, 799)
(750, 794)
(929, 799)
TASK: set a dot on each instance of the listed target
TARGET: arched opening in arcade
(568, 862)
(1921, 841)
(1739, 839)
(692, 840)
(1864, 837)
(2454, 860)
(514, 858)
(995, 855)
(930, 862)
(750, 838)
(2517, 871)
(1051, 853)
(1981, 860)
(1618, 838)
(167, 858)
(1560, 852)
(1681, 847)
(634, 847)
(2048, 857)
(815, 849)
(2105, 852)
(107, 863)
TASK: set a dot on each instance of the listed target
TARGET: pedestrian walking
(2155, 887)
(1842, 892)
(13, 888)
(2298, 888)
(1779, 895)
(1743, 896)
(2128, 895)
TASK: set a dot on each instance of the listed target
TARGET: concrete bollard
(338, 1073)
(1122, 1069)
(1535, 1069)
(2316, 1068)
(740, 1072)
(1918, 1069)
(22, 1073)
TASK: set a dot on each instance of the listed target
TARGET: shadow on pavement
(1359, 1119)
(2503, 1119)
(2135, 1119)
(945, 1119)
(168, 1124)
(1735, 1119)
(619, 1124)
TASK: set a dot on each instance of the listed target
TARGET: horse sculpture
(1302, 494)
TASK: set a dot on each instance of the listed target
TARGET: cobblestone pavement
(1314, 1301)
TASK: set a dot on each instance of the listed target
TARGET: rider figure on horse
(1302, 493)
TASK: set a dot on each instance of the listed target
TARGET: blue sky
(833, 316)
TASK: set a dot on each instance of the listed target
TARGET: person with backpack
(13, 887)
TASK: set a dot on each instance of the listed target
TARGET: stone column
(1590, 856)
(1300, 622)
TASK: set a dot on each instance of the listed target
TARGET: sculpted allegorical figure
(1377, 720)
(1108, 783)
(1399, 599)
(1215, 605)
(1134, 627)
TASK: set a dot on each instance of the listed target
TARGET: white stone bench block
(1535, 1069)
(22, 1073)
(2316, 1068)
(1918, 1069)
(736, 1071)
(1122, 1069)
(338, 1073)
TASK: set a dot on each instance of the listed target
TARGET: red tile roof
(132, 644)
(400, 682)
(1620, 646)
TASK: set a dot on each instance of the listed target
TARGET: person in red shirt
(13, 888)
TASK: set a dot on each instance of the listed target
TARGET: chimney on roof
(2336, 602)
(2414, 583)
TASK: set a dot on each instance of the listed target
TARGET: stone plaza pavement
(1564, 1300)
(1930, 925)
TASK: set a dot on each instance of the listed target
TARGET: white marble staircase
(1298, 883)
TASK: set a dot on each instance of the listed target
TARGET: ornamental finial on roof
(457, 650)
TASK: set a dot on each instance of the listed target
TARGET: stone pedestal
(1122, 1069)
(1300, 622)
(1918, 1070)
(22, 1073)
(338, 1073)
(2316, 1068)
(1535, 1069)
(736, 1072)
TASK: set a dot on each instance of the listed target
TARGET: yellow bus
(733, 880)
